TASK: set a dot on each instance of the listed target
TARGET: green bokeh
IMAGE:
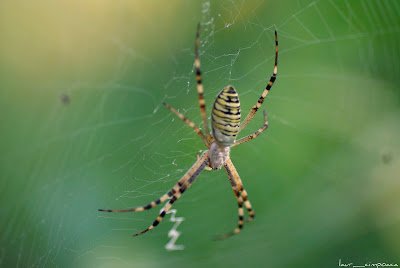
(323, 180)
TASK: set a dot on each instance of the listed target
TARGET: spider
(225, 122)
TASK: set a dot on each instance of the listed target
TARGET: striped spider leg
(241, 196)
(184, 183)
(187, 181)
(266, 90)
(200, 89)
(225, 124)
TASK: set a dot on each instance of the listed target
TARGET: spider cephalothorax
(218, 155)
(225, 122)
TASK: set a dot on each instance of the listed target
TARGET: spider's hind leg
(164, 211)
(248, 206)
(240, 221)
(189, 123)
(241, 196)
(162, 199)
(187, 181)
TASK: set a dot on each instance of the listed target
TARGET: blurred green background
(323, 179)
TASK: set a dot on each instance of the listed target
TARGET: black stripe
(196, 173)
(228, 135)
(229, 172)
(226, 118)
(158, 201)
(230, 90)
(225, 125)
(215, 116)
(227, 104)
(228, 131)
(229, 108)
(233, 99)
(227, 112)
(148, 206)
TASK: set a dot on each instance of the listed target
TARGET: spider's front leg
(189, 123)
(266, 90)
(253, 136)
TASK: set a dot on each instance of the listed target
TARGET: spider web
(84, 128)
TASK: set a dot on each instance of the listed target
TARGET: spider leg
(248, 206)
(266, 90)
(188, 179)
(241, 196)
(240, 222)
(208, 168)
(200, 90)
(189, 123)
(236, 178)
(252, 136)
(162, 199)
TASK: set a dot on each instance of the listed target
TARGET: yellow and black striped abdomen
(225, 116)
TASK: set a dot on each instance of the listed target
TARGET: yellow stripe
(241, 212)
(230, 94)
(227, 94)
(232, 130)
(229, 104)
(221, 108)
(231, 116)
(225, 121)
(222, 96)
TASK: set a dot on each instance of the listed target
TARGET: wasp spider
(225, 122)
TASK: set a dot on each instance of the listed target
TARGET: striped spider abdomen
(225, 117)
